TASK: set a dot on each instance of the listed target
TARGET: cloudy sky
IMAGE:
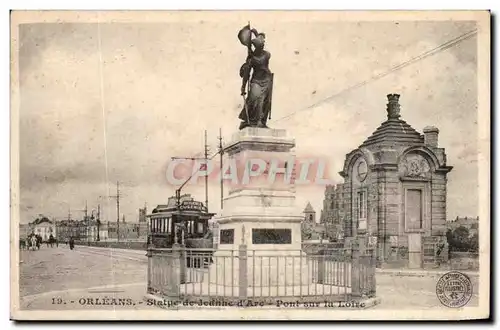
(128, 96)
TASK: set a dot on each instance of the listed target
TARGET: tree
(461, 238)
(449, 237)
(474, 243)
(307, 232)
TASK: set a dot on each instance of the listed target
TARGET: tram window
(200, 228)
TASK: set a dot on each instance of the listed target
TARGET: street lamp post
(98, 221)
(92, 217)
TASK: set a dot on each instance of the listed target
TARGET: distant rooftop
(41, 220)
(309, 208)
(465, 219)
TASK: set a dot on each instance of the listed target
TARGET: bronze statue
(257, 104)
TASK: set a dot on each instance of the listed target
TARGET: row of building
(332, 218)
(330, 225)
(87, 229)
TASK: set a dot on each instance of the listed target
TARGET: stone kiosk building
(395, 192)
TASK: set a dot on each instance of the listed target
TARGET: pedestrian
(71, 243)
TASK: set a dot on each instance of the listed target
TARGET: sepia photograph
(244, 165)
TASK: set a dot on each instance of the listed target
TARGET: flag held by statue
(245, 36)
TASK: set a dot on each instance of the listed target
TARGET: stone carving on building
(393, 107)
(361, 170)
(257, 80)
(243, 240)
(372, 241)
(393, 241)
(415, 166)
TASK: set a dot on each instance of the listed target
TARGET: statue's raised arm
(256, 73)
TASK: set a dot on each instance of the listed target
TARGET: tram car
(187, 224)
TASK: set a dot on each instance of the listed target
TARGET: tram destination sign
(192, 206)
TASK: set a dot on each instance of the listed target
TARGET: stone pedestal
(260, 213)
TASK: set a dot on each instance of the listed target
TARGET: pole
(178, 190)
(221, 174)
(86, 219)
(206, 170)
(98, 221)
(117, 211)
(71, 230)
(178, 218)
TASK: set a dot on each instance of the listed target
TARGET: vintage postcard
(171, 165)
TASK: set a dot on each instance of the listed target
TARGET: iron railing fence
(261, 275)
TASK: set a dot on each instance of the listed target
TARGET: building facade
(333, 213)
(24, 230)
(80, 230)
(311, 230)
(90, 230)
(309, 214)
(143, 223)
(43, 227)
(394, 191)
(127, 231)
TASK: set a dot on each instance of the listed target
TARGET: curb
(87, 290)
(421, 273)
(104, 248)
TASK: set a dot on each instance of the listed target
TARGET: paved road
(413, 292)
(49, 272)
(50, 269)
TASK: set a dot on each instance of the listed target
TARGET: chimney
(393, 106)
(431, 136)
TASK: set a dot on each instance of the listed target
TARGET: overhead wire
(429, 53)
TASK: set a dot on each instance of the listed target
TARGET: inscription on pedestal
(227, 236)
(271, 236)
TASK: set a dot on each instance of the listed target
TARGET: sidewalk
(421, 272)
(124, 297)
(111, 297)
(113, 250)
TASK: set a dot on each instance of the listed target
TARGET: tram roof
(177, 212)
(188, 206)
